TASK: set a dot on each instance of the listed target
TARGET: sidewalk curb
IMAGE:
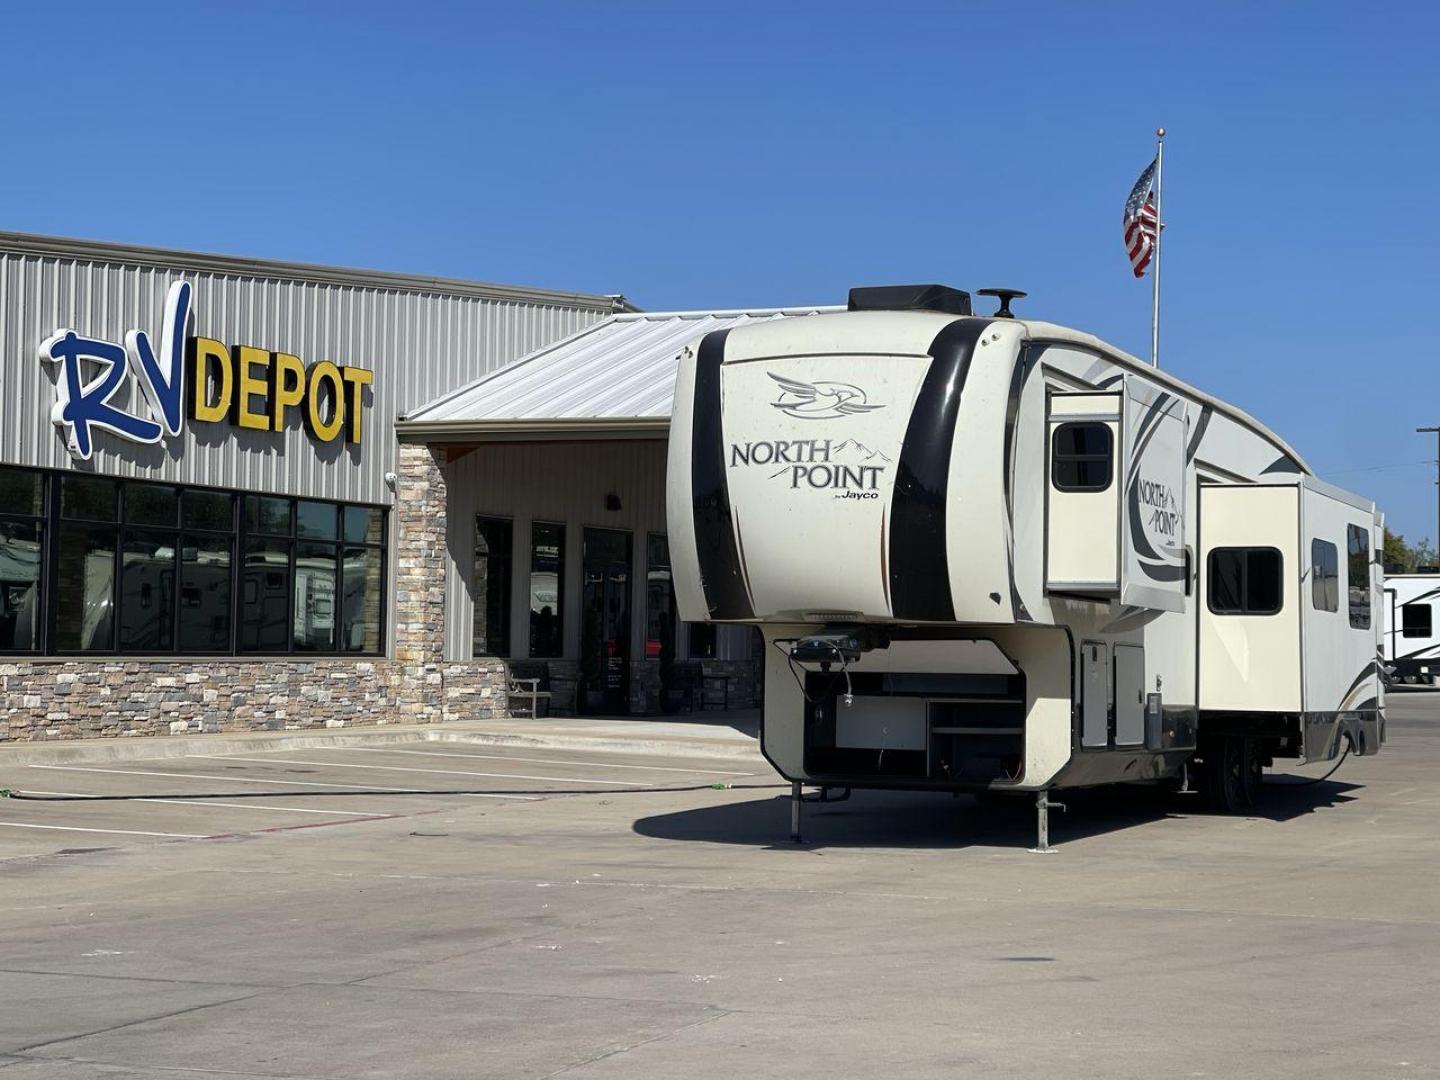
(161, 747)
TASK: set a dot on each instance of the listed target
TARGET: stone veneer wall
(89, 698)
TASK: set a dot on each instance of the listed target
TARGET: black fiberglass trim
(919, 566)
(726, 596)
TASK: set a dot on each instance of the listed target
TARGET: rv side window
(1082, 457)
(1245, 581)
(1416, 621)
(1324, 575)
(1358, 567)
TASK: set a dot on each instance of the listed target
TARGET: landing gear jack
(796, 798)
(1043, 806)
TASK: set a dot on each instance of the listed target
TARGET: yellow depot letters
(255, 389)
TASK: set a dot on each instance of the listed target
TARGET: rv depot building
(241, 495)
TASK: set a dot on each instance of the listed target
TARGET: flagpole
(1159, 231)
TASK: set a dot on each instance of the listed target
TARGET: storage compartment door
(1082, 486)
(1129, 695)
(1153, 565)
(1250, 575)
(1095, 686)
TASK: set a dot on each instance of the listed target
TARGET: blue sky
(760, 154)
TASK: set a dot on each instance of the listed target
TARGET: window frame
(44, 529)
(52, 522)
(1056, 457)
(1333, 577)
(1244, 581)
(508, 592)
(1406, 630)
(1361, 615)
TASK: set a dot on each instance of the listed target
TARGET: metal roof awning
(615, 379)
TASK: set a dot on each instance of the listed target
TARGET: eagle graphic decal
(820, 400)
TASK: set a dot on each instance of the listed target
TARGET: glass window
(85, 588)
(264, 514)
(547, 589)
(1416, 620)
(364, 525)
(317, 520)
(147, 591)
(1324, 575)
(1245, 581)
(152, 568)
(491, 585)
(205, 607)
(212, 510)
(21, 492)
(90, 497)
(151, 504)
(361, 607)
(659, 601)
(21, 557)
(317, 580)
(1082, 457)
(1358, 574)
(265, 596)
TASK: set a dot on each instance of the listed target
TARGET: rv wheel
(1232, 774)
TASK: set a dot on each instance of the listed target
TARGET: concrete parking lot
(450, 910)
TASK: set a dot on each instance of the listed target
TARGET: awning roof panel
(621, 369)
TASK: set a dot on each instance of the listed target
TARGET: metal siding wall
(419, 344)
(551, 482)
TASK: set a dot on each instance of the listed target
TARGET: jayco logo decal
(820, 400)
(849, 468)
(197, 377)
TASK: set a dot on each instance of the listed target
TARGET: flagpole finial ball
(1160, 133)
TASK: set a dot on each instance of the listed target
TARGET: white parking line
(113, 832)
(540, 760)
(286, 783)
(207, 802)
(434, 772)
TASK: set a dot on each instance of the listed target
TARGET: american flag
(1141, 224)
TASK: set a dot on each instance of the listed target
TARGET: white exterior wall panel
(419, 342)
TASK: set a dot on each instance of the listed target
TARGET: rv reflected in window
(1324, 575)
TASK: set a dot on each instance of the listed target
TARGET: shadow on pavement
(890, 819)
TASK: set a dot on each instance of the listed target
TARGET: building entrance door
(605, 614)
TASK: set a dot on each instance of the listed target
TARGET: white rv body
(1412, 627)
(1017, 517)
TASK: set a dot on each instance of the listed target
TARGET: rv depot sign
(195, 377)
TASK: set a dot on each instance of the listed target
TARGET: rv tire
(1230, 779)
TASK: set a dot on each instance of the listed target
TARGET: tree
(1401, 557)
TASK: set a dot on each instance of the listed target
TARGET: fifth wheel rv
(1412, 633)
(991, 554)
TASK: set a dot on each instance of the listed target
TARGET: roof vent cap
(939, 298)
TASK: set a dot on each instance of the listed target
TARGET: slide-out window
(1324, 575)
(1358, 567)
(1082, 457)
(1416, 620)
(1245, 581)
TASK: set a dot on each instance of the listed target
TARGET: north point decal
(846, 467)
(197, 377)
(1159, 507)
